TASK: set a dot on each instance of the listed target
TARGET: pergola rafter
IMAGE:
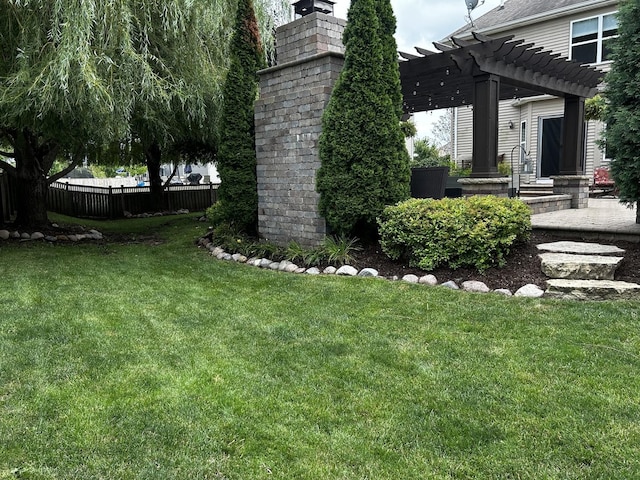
(487, 70)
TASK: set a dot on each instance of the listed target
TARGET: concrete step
(579, 267)
(580, 248)
(533, 190)
(592, 290)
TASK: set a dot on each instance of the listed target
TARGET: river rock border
(66, 237)
(530, 290)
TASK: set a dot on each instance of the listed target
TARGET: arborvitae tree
(390, 70)
(237, 195)
(622, 114)
(364, 161)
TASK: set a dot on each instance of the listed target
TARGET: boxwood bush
(475, 231)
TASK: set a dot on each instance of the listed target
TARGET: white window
(523, 141)
(591, 38)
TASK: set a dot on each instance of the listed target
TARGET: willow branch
(8, 168)
(77, 158)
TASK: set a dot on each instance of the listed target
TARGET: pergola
(487, 70)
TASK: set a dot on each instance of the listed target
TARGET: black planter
(428, 182)
(452, 188)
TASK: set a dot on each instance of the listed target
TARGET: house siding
(554, 35)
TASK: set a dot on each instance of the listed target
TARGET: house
(530, 129)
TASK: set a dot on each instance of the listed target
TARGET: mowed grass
(154, 360)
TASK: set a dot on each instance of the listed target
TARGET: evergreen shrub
(475, 231)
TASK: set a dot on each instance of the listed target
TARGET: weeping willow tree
(76, 76)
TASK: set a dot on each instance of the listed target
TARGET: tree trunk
(31, 182)
(638, 212)
(153, 155)
(31, 202)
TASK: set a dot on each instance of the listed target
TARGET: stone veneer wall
(293, 96)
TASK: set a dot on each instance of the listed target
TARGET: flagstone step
(579, 267)
(580, 248)
(592, 289)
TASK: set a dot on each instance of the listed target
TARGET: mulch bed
(522, 268)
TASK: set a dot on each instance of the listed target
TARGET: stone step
(592, 289)
(579, 267)
(580, 248)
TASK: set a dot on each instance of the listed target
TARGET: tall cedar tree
(237, 195)
(364, 161)
(622, 114)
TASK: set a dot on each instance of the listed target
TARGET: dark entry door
(551, 146)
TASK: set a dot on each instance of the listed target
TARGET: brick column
(293, 96)
(498, 186)
(575, 185)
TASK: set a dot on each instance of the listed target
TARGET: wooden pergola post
(486, 97)
(572, 136)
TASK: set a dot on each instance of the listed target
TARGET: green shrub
(475, 231)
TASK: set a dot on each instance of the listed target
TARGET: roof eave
(550, 15)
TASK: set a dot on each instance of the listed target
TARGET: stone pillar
(498, 186)
(486, 97)
(293, 96)
(575, 185)
(571, 162)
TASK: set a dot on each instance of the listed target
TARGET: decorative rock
(220, 255)
(237, 257)
(4, 234)
(15, 235)
(81, 236)
(291, 268)
(283, 265)
(410, 278)
(98, 236)
(182, 211)
(529, 291)
(312, 271)
(275, 266)
(579, 267)
(300, 270)
(217, 251)
(347, 270)
(475, 286)
(428, 280)
(593, 289)
(227, 256)
(451, 284)
(503, 291)
(580, 248)
(330, 270)
(127, 214)
(368, 272)
(51, 238)
(63, 238)
(25, 236)
(37, 236)
(265, 262)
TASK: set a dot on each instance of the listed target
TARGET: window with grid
(591, 38)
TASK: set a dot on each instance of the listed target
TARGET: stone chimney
(288, 115)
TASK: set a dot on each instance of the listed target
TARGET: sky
(419, 24)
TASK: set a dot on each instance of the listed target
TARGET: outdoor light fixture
(307, 7)
(511, 125)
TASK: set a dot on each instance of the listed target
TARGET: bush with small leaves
(475, 231)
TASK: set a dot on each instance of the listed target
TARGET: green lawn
(147, 360)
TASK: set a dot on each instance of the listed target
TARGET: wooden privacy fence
(113, 202)
(7, 198)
